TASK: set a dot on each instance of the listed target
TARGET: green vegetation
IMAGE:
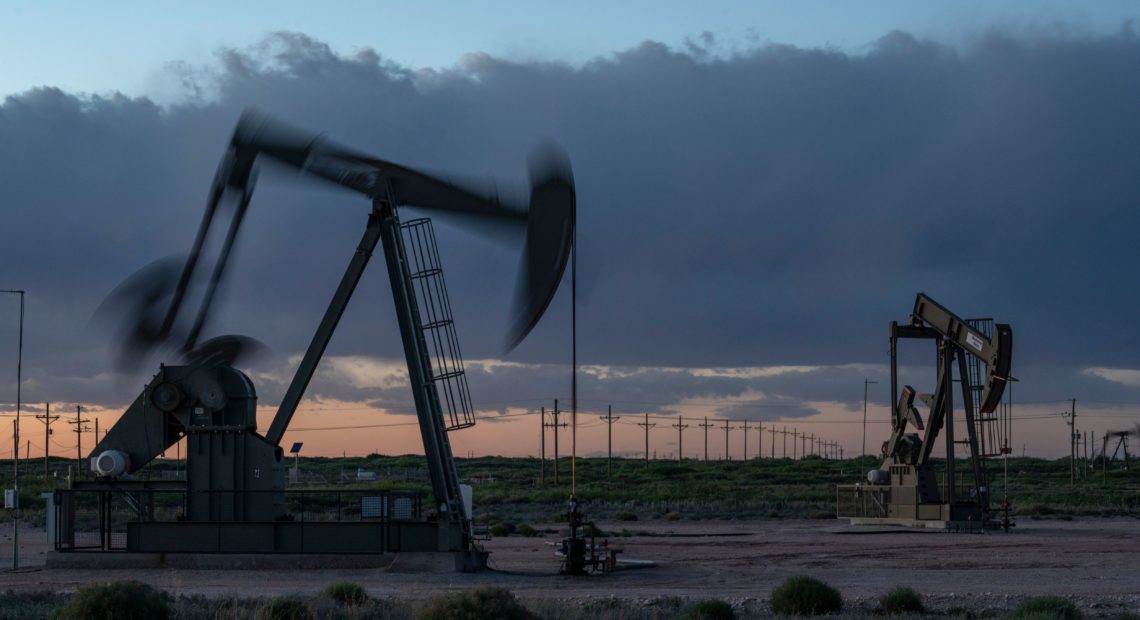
(508, 493)
(499, 530)
(476, 604)
(805, 596)
(284, 608)
(1046, 608)
(902, 600)
(18, 605)
(122, 600)
(711, 609)
(346, 593)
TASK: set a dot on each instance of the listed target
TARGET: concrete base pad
(932, 524)
(408, 562)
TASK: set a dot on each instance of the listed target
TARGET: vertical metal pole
(437, 446)
(946, 363)
(760, 441)
(647, 440)
(78, 440)
(574, 356)
(542, 448)
(706, 426)
(555, 414)
(867, 382)
(646, 425)
(16, 465)
(47, 436)
(1073, 443)
(892, 398)
(610, 419)
(609, 440)
(680, 429)
(745, 426)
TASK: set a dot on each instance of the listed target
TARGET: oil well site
(718, 327)
(622, 535)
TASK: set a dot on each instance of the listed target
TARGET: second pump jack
(906, 488)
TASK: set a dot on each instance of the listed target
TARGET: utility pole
(79, 430)
(795, 435)
(726, 429)
(1072, 415)
(610, 419)
(646, 425)
(745, 427)
(555, 425)
(760, 440)
(806, 442)
(772, 431)
(680, 429)
(706, 426)
(867, 382)
(555, 415)
(785, 434)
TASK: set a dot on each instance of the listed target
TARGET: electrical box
(9, 498)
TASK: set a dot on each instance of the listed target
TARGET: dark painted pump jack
(234, 490)
(906, 488)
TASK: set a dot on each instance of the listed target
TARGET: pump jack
(906, 489)
(233, 498)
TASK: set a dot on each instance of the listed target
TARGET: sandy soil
(1094, 561)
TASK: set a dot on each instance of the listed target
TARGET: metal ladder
(436, 324)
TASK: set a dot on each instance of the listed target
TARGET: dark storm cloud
(775, 206)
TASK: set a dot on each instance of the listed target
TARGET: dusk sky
(762, 187)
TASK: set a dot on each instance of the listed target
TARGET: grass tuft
(476, 604)
(805, 596)
(122, 600)
(1046, 608)
(346, 593)
(283, 608)
(711, 609)
(902, 600)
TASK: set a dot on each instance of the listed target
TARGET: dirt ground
(1093, 561)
